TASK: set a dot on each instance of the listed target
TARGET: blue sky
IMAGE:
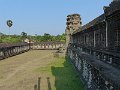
(46, 16)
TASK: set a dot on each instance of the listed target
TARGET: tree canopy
(34, 38)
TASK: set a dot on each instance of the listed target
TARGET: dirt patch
(16, 73)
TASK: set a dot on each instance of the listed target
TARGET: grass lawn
(62, 75)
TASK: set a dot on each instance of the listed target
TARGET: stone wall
(8, 50)
(47, 45)
(95, 50)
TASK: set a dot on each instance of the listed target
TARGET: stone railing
(97, 69)
(47, 45)
(8, 50)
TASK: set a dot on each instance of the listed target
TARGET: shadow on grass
(66, 77)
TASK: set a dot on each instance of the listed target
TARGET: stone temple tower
(73, 24)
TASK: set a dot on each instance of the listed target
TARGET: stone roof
(97, 20)
(113, 6)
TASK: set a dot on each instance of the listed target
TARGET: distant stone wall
(8, 50)
(47, 45)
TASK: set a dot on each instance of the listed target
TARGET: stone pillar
(94, 39)
(106, 34)
(48, 46)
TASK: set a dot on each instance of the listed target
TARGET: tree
(47, 37)
(24, 35)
